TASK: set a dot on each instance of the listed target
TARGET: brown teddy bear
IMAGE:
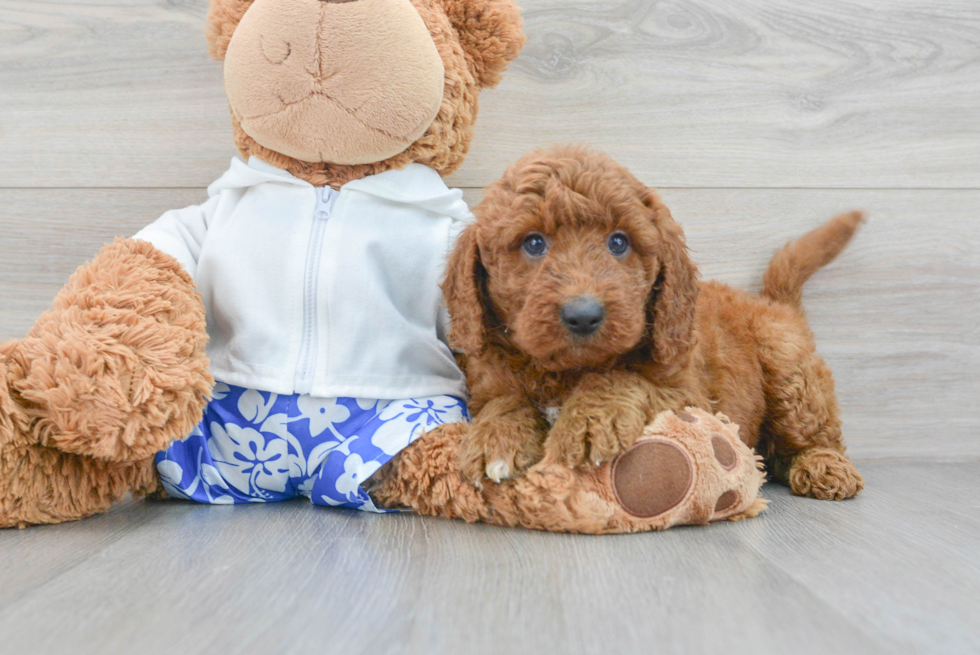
(307, 285)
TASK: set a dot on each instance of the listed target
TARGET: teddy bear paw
(688, 467)
(652, 477)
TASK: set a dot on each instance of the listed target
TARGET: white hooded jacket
(313, 291)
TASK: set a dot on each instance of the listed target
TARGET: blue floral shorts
(256, 446)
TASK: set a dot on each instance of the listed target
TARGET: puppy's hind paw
(824, 474)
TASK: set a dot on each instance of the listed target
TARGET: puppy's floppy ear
(491, 33)
(670, 309)
(223, 18)
(465, 292)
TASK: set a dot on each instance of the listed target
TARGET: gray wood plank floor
(893, 571)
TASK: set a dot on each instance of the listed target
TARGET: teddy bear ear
(491, 33)
(223, 18)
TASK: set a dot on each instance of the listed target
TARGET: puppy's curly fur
(665, 340)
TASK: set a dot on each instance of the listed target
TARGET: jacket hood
(416, 185)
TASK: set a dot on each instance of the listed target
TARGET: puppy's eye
(535, 244)
(618, 243)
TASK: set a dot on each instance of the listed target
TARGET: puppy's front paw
(498, 449)
(498, 469)
(586, 432)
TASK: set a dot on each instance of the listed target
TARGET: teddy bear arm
(678, 473)
(117, 369)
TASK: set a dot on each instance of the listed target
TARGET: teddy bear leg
(40, 485)
(424, 477)
(116, 370)
(688, 468)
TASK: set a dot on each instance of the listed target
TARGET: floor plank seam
(119, 534)
(874, 636)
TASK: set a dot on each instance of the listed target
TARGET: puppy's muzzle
(582, 315)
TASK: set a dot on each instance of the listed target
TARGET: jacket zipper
(305, 368)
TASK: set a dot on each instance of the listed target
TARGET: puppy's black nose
(583, 315)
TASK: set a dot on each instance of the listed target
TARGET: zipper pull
(324, 202)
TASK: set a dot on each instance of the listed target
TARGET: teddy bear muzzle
(343, 82)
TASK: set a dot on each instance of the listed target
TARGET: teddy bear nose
(582, 315)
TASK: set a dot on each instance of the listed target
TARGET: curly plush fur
(554, 497)
(115, 372)
(666, 342)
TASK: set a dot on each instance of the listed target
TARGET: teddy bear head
(335, 90)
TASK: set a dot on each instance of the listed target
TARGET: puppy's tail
(795, 262)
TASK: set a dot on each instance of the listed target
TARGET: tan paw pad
(651, 478)
(726, 500)
(724, 452)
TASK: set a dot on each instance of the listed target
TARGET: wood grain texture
(788, 93)
(897, 316)
(891, 571)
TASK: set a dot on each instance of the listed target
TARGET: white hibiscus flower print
(355, 472)
(305, 488)
(393, 436)
(245, 461)
(214, 485)
(322, 412)
(210, 480)
(369, 506)
(320, 453)
(170, 475)
(414, 417)
(367, 404)
(220, 391)
(253, 407)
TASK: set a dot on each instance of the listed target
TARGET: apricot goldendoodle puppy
(581, 317)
